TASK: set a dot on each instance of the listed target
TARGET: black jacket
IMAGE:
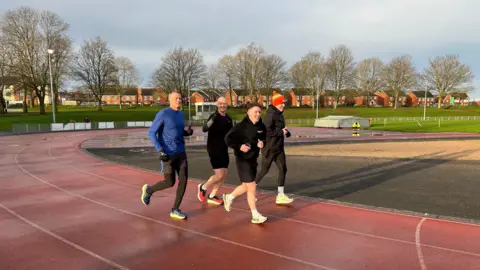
(274, 123)
(243, 133)
(217, 131)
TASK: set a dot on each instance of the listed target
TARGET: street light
(425, 102)
(50, 51)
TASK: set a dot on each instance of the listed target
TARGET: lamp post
(425, 102)
(318, 95)
(50, 51)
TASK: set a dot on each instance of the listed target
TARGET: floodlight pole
(317, 105)
(50, 51)
(425, 103)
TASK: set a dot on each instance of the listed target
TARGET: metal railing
(420, 118)
(59, 127)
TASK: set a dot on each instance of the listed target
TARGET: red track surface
(62, 209)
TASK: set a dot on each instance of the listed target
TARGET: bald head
(222, 105)
(175, 100)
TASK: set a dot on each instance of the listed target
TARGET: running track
(63, 209)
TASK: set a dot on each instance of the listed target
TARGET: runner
(274, 147)
(217, 126)
(246, 139)
(167, 135)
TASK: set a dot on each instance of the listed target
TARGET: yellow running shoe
(283, 199)
(178, 214)
(258, 219)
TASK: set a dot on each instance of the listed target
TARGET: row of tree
(252, 68)
(32, 42)
(26, 35)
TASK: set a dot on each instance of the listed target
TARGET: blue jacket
(167, 131)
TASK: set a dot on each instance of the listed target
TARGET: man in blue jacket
(167, 135)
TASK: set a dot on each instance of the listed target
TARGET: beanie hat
(277, 99)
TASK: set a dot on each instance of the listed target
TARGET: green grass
(470, 126)
(146, 113)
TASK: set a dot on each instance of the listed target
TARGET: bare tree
(399, 76)
(310, 73)
(127, 76)
(94, 66)
(61, 45)
(228, 70)
(369, 79)
(448, 75)
(212, 77)
(4, 65)
(180, 70)
(248, 67)
(341, 70)
(29, 34)
(272, 73)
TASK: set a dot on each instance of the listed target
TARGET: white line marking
(303, 198)
(289, 219)
(62, 239)
(241, 209)
(419, 246)
(170, 225)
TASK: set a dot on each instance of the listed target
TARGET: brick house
(150, 96)
(299, 97)
(241, 97)
(210, 95)
(458, 99)
(417, 98)
(129, 96)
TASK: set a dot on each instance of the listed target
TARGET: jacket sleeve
(207, 125)
(155, 129)
(272, 129)
(233, 139)
(263, 135)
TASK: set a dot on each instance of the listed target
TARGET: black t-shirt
(217, 131)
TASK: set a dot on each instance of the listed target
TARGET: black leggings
(176, 164)
(266, 162)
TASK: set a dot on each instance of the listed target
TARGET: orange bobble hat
(277, 99)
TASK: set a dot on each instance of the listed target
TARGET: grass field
(470, 126)
(147, 113)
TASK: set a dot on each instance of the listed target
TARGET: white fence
(58, 127)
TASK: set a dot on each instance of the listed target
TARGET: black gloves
(189, 130)
(163, 156)
(288, 134)
(210, 122)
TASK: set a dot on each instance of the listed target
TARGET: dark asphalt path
(435, 185)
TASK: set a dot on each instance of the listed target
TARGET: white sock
(230, 197)
(203, 187)
(280, 190)
(255, 213)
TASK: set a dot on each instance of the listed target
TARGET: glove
(210, 122)
(288, 134)
(163, 156)
(189, 130)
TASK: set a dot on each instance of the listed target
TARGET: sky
(144, 30)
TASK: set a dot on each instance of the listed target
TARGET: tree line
(33, 41)
(26, 35)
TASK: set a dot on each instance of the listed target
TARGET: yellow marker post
(356, 129)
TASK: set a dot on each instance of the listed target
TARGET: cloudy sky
(144, 30)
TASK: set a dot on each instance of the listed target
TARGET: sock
(230, 197)
(210, 196)
(203, 187)
(255, 213)
(280, 190)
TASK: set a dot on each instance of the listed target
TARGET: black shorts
(219, 159)
(247, 169)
